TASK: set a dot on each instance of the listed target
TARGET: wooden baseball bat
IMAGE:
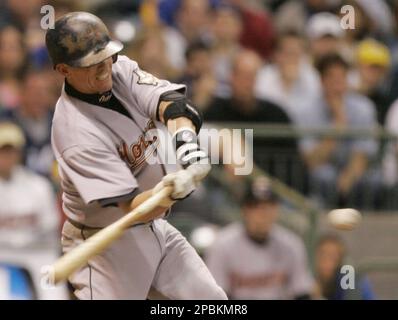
(79, 256)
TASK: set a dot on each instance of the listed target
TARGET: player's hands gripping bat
(193, 159)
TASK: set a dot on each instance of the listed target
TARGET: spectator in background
(373, 19)
(185, 22)
(243, 105)
(172, 41)
(148, 49)
(192, 19)
(257, 29)
(390, 160)
(330, 256)
(340, 170)
(294, 14)
(226, 30)
(34, 116)
(25, 15)
(363, 28)
(29, 219)
(21, 14)
(393, 43)
(179, 23)
(371, 78)
(198, 75)
(290, 81)
(326, 36)
(28, 210)
(13, 60)
(393, 93)
(167, 9)
(255, 259)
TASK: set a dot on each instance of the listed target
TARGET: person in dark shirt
(373, 77)
(34, 116)
(263, 111)
(243, 105)
(277, 156)
(198, 74)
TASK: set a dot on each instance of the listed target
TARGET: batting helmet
(80, 39)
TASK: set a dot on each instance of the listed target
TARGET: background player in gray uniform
(257, 259)
(103, 139)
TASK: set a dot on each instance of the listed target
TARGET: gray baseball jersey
(102, 153)
(277, 270)
(105, 155)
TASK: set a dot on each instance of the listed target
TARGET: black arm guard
(180, 108)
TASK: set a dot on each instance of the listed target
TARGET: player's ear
(63, 69)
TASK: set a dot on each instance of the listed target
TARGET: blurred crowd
(288, 62)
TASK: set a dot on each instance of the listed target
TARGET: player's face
(94, 79)
(260, 218)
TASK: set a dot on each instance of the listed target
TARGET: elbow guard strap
(179, 107)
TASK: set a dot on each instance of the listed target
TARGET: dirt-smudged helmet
(80, 39)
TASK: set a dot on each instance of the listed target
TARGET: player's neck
(79, 91)
(88, 97)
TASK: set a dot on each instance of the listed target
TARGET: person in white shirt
(29, 219)
(290, 81)
(27, 202)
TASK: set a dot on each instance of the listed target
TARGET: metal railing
(290, 131)
(307, 209)
(286, 163)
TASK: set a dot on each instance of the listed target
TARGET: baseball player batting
(100, 139)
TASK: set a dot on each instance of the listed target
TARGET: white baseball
(344, 219)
